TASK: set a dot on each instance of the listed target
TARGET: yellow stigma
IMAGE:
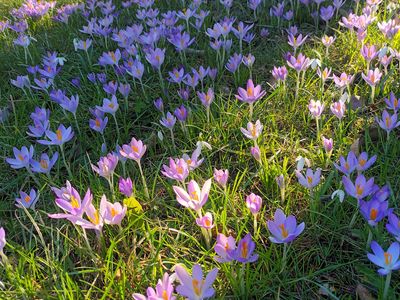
(158, 58)
(74, 202)
(95, 220)
(388, 258)
(97, 122)
(253, 131)
(373, 214)
(194, 196)
(113, 212)
(362, 162)
(112, 54)
(197, 286)
(359, 190)
(250, 91)
(346, 165)
(43, 164)
(20, 157)
(284, 232)
(207, 222)
(135, 149)
(27, 199)
(111, 105)
(59, 134)
(179, 170)
(309, 179)
(388, 122)
(245, 250)
(164, 295)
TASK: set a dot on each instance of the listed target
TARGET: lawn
(149, 143)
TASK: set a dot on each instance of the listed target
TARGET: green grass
(49, 259)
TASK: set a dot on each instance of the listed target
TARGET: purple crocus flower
(22, 157)
(191, 81)
(70, 104)
(110, 58)
(244, 251)
(195, 286)
(343, 80)
(124, 90)
(364, 163)
(388, 122)
(311, 179)
(393, 227)
(326, 13)
(155, 57)
(136, 69)
(125, 186)
(205, 221)
(111, 87)
(369, 52)
(109, 106)
(234, 62)
(253, 202)
(361, 187)
(21, 82)
(221, 177)
(301, 63)
(59, 137)
(134, 150)
(184, 93)
(168, 121)
(279, 73)
(393, 103)
(181, 41)
(45, 164)
(256, 153)
(27, 201)
(177, 169)
(206, 98)
(316, 108)
(251, 94)
(106, 166)
(224, 248)
(159, 104)
(386, 260)
(38, 129)
(284, 229)
(296, 42)
(193, 198)
(372, 77)
(99, 122)
(347, 166)
(338, 109)
(374, 210)
(181, 113)
(164, 290)
(176, 75)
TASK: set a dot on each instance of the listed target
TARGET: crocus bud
(253, 202)
(206, 221)
(255, 151)
(328, 144)
(221, 177)
(159, 104)
(125, 186)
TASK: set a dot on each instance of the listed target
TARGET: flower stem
(65, 161)
(387, 285)
(146, 190)
(284, 257)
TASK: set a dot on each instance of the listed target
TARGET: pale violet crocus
(224, 248)
(250, 95)
(316, 108)
(177, 169)
(3, 241)
(22, 157)
(164, 290)
(253, 131)
(27, 200)
(193, 198)
(388, 122)
(113, 213)
(311, 179)
(169, 122)
(360, 189)
(195, 286)
(244, 253)
(221, 177)
(205, 221)
(284, 229)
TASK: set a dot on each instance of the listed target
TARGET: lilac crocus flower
(2, 239)
(155, 57)
(301, 63)
(181, 113)
(224, 248)
(327, 41)
(360, 189)
(256, 153)
(234, 62)
(195, 287)
(221, 177)
(177, 169)
(280, 73)
(22, 157)
(59, 137)
(110, 58)
(386, 260)
(27, 201)
(45, 164)
(176, 75)
(136, 70)
(125, 186)
(364, 163)
(69, 200)
(388, 122)
(253, 130)
(347, 166)
(369, 52)
(134, 150)
(206, 98)
(253, 202)
(325, 74)
(343, 80)
(316, 108)
(205, 221)
(109, 106)
(99, 123)
(168, 121)
(372, 77)
(326, 13)
(311, 179)
(251, 94)
(70, 104)
(296, 42)
(193, 198)
(21, 82)
(164, 290)
(284, 229)
(181, 41)
(393, 226)
(338, 109)
(111, 87)
(124, 90)
(328, 144)
(113, 213)
(193, 161)
(374, 210)
(392, 102)
(106, 166)
(244, 251)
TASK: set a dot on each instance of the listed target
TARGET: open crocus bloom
(164, 290)
(251, 94)
(134, 150)
(225, 248)
(177, 169)
(253, 130)
(113, 213)
(284, 229)
(193, 198)
(195, 287)
(387, 260)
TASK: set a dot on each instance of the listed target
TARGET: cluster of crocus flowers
(227, 250)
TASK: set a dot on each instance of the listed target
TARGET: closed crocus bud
(255, 151)
(125, 186)
(328, 144)
(159, 104)
(253, 202)
(206, 221)
(221, 177)
(280, 180)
